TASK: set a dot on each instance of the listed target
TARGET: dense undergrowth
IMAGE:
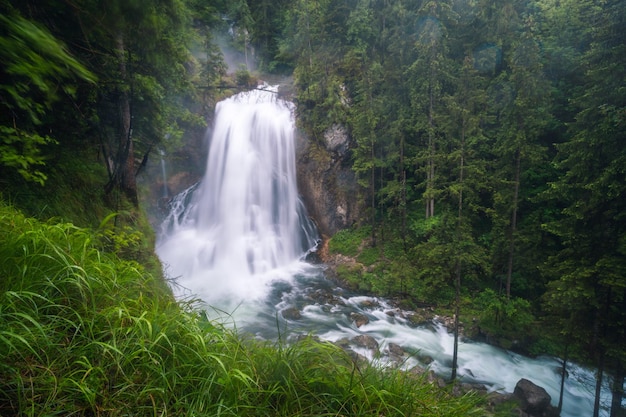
(84, 332)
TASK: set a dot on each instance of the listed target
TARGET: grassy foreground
(83, 332)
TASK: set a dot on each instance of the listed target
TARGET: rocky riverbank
(528, 399)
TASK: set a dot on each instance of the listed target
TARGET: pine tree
(429, 74)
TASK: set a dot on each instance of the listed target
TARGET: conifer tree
(428, 73)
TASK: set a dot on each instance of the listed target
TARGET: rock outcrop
(326, 183)
(534, 400)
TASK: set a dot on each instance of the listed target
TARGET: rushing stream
(237, 240)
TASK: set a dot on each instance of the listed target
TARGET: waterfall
(164, 174)
(244, 224)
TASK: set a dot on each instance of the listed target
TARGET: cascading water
(236, 239)
(244, 225)
(164, 174)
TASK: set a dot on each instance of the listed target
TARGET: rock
(416, 318)
(369, 303)
(291, 313)
(343, 343)
(534, 400)
(359, 319)
(435, 380)
(461, 388)
(336, 139)
(425, 359)
(326, 181)
(366, 341)
(448, 323)
(358, 358)
(396, 350)
(494, 399)
(324, 297)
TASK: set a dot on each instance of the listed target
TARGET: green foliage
(369, 255)
(243, 78)
(36, 69)
(21, 151)
(73, 192)
(504, 319)
(348, 241)
(36, 62)
(125, 241)
(352, 276)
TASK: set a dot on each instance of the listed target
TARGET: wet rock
(534, 400)
(369, 303)
(448, 322)
(322, 296)
(425, 359)
(343, 343)
(396, 350)
(358, 358)
(359, 319)
(432, 378)
(313, 257)
(291, 313)
(494, 399)
(462, 388)
(366, 341)
(418, 318)
(396, 312)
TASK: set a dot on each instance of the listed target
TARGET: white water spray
(244, 225)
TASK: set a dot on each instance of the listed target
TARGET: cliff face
(326, 183)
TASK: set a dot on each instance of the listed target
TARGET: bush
(504, 319)
(348, 241)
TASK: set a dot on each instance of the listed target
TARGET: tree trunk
(403, 195)
(599, 376)
(563, 375)
(617, 392)
(600, 334)
(430, 174)
(123, 175)
(457, 309)
(457, 280)
(513, 230)
(373, 171)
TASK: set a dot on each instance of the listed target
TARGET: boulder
(534, 400)
(396, 350)
(291, 313)
(359, 319)
(366, 341)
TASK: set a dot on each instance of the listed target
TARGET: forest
(487, 138)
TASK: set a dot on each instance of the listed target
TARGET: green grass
(86, 333)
